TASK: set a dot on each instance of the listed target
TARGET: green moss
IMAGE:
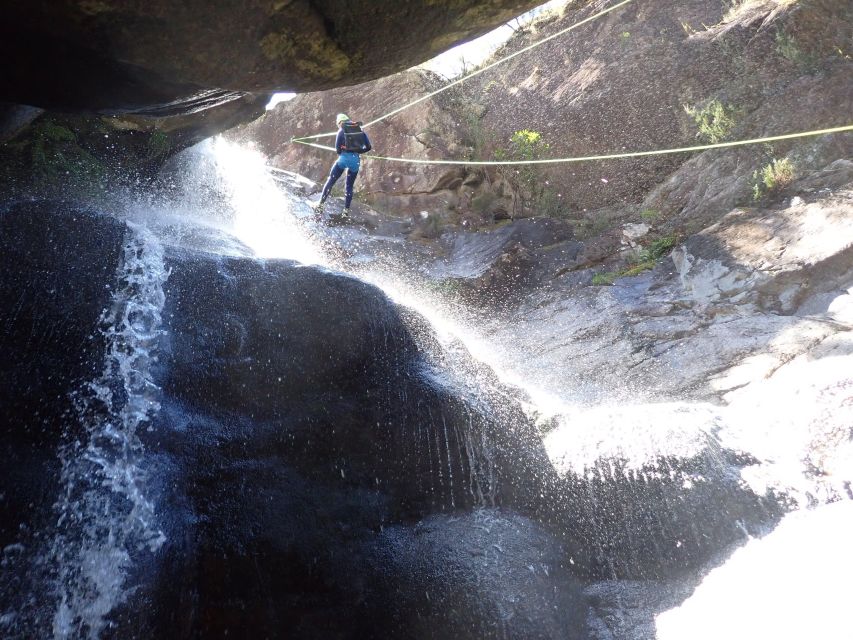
(787, 47)
(158, 145)
(604, 279)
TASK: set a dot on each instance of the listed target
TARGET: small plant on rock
(658, 248)
(715, 121)
(788, 48)
(774, 176)
(650, 215)
(528, 180)
(646, 259)
(604, 279)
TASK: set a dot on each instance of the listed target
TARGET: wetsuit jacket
(349, 160)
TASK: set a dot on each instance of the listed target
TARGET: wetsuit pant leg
(351, 176)
(334, 174)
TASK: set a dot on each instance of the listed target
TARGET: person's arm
(367, 142)
(340, 142)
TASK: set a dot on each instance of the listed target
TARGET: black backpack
(354, 138)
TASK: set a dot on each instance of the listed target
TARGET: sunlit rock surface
(582, 98)
(651, 492)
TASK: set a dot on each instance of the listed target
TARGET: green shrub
(528, 180)
(528, 144)
(715, 121)
(649, 215)
(658, 248)
(775, 175)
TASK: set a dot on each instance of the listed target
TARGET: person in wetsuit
(350, 142)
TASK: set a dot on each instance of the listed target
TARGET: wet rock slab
(295, 437)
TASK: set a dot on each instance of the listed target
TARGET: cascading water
(646, 496)
(634, 449)
(105, 520)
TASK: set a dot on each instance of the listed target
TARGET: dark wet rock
(14, 117)
(68, 156)
(301, 418)
(651, 492)
(325, 368)
(298, 413)
(50, 345)
(485, 575)
(122, 56)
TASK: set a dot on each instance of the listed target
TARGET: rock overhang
(116, 55)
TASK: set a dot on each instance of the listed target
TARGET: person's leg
(334, 174)
(351, 176)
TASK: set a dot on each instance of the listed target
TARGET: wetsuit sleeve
(367, 142)
(340, 142)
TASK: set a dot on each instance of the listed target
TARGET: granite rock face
(125, 56)
(202, 445)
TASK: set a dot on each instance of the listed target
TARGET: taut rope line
(608, 156)
(474, 73)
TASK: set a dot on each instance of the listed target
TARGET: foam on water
(104, 516)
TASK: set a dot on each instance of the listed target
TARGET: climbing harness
(609, 156)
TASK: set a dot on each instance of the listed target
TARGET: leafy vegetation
(158, 145)
(658, 248)
(53, 154)
(775, 175)
(484, 202)
(529, 181)
(715, 121)
(787, 47)
(646, 259)
(604, 279)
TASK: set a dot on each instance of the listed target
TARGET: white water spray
(105, 518)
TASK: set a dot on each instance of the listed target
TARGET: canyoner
(350, 143)
(304, 140)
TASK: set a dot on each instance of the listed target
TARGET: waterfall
(104, 517)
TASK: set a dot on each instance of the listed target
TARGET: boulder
(50, 347)
(485, 575)
(650, 492)
(202, 445)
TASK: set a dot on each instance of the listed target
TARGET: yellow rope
(474, 73)
(609, 156)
